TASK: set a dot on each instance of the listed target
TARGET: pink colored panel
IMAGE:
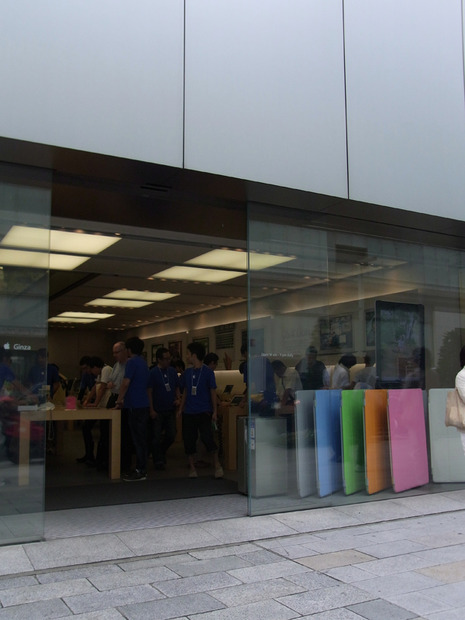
(409, 457)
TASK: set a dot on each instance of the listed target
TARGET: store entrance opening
(166, 277)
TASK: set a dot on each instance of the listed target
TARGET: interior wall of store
(66, 346)
(357, 99)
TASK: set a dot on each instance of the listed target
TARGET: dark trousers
(138, 421)
(162, 433)
(194, 424)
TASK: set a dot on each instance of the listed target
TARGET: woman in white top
(460, 385)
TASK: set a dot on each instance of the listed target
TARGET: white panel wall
(98, 75)
(265, 92)
(405, 93)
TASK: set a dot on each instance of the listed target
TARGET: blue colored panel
(328, 441)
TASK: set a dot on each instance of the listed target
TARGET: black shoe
(91, 463)
(82, 459)
(135, 476)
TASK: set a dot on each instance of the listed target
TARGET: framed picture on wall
(175, 349)
(336, 334)
(205, 341)
(370, 329)
(155, 348)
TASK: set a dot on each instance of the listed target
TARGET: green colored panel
(353, 449)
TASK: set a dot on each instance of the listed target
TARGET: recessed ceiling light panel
(118, 303)
(238, 260)
(197, 274)
(140, 295)
(32, 238)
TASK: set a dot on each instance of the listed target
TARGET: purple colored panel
(409, 457)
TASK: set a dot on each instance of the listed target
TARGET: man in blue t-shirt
(134, 398)
(164, 397)
(198, 407)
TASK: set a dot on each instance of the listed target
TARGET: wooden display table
(230, 415)
(55, 415)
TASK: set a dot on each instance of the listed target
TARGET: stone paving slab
(416, 569)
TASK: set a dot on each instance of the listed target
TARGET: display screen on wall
(400, 345)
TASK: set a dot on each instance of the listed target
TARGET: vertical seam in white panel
(184, 90)
(463, 45)
(345, 94)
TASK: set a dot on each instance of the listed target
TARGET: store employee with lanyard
(164, 397)
(198, 407)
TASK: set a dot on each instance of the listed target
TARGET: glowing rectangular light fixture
(41, 260)
(197, 274)
(32, 238)
(238, 260)
(66, 262)
(118, 303)
(62, 319)
(86, 315)
(140, 295)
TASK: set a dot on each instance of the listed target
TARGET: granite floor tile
(200, 567)
(447, 573)
(163, 560)
(14, 560)
(374, 512)
(74, 551)
(334, 614)
(389, 549)
(253, 611)
(42, 592)
(337, 558)
(445, 555)
(450, 614)
(17, 582)
(247, 529)
(418, 602)
(394, 565)
(83, 572)
(313, 580)
(219, 552)
(349, 574)
(267, 571)
(169, 608)
(324, 599)
(374, 610)
(397, 584)
(253, 592)
(317, 520)
(261, 556)
(294, 551)
(40, 609)
(102, 614)
(452, 594)
(167, 539)
(132, 578)
(112, 598)
(199, 583)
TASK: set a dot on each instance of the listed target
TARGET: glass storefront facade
(25, 200)
(354, 342)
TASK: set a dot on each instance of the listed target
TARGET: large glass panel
(24, 395)
(354, 343)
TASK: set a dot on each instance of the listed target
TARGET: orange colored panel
(377, 459)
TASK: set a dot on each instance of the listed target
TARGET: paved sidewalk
(394, 559)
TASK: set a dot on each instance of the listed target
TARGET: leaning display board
(407, 434)
(377, 461)
(447, 458)
(305, 442)
(328, 441)
(353, 450)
